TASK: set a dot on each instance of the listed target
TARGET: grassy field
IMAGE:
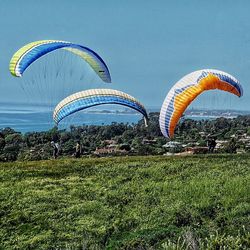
(126, 203)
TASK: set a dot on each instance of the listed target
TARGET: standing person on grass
(211, 143)
(78, 150)
(55, 147)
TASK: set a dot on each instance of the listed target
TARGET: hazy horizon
(19, 106)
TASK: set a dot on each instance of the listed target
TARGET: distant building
(110, 142)
(149, 142)
(203, 134)
(172, 144)
(245, 139)
(220, 144)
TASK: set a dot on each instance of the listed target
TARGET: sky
(147, 45)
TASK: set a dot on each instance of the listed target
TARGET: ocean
(35, 118)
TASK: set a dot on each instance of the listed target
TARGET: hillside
(116, 139)
(126, 203)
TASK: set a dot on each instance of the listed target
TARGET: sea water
(35, 118)
(28, 117)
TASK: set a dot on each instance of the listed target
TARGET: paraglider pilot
(211, 143)
(55, 147)
(78, 150)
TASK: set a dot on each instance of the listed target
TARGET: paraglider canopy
(187, 89)
(93, 97)
(29, 53)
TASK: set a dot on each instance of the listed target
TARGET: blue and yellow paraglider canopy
(93, 97)
(33, 51)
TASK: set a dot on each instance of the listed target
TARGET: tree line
(134, 139)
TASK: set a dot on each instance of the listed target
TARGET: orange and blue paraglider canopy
(187, 89)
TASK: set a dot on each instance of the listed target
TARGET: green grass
(126, 203)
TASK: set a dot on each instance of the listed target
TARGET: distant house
(110, 142)
(112, 146)
(245, 139)
(203, 134)
(220, 144)
(149, 142)
(172, 144)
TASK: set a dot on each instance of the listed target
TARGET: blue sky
(147, 45)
